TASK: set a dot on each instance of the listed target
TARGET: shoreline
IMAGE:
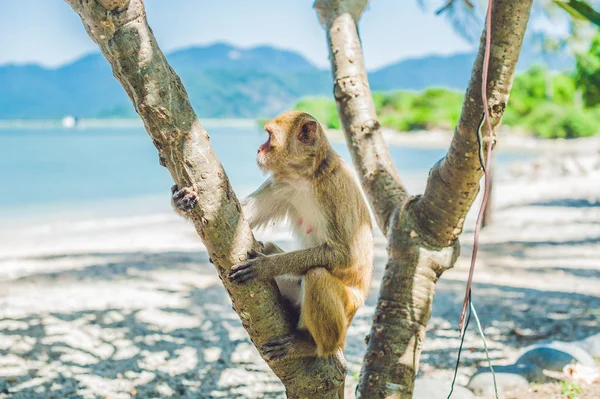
(116, 123)
(507, 141)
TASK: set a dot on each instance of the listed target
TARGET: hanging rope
(487, 166)
(472, 311)
(468, 308)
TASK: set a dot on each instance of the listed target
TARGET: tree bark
(454, 182)
(121, 30)
(379, 177)
(422, 231)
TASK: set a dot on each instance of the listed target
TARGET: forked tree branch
(121, 30)
(379, 177)
(423, 230)
(454, 182)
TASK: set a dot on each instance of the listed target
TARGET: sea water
(111, 172)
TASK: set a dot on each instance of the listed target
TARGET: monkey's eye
(271, 139)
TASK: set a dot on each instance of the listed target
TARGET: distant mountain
(226, 57)
(418, 73)
(452, 71)
(221, 81)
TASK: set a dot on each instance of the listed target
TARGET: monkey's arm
(298, 262)
(266, 204)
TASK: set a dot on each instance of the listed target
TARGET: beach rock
(590, 344)
(515, 375)
(3, 386)
(430, 388)
(555, 355)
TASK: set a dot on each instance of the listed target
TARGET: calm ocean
(98, 172)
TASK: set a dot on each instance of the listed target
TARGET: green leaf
(580, 9)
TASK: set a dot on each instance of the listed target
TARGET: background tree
(422, 230)
(588, 73)
(463, 14)
(466, 16)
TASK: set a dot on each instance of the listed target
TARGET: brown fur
(310, 181)
(311, 187)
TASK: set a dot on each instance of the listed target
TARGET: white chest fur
(306, 216)
(307, 220)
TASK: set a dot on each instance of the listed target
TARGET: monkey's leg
(327, 308)
(270, 249)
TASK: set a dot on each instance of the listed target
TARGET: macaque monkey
(311, 187)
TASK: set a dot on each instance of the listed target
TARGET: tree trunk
(121, 30)
(422, 231)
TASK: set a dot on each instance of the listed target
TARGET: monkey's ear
(308, 132)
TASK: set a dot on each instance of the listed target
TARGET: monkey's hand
(248, 270)
(184, 200)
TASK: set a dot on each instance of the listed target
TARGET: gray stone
(429, 388)
(555, 355)
(590, 344)
(515, 375)
(3, 387)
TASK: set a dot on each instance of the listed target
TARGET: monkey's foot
(185, 199)
(245, 271)
(279, 347)
(295, 345)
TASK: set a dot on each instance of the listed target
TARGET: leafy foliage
(541, 102)
(580, 10)
(555, 121)
(321, 108)
(535, 88)
(570, 389)
(588, 73)
(432, 109)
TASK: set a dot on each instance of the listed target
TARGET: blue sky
(48, 32)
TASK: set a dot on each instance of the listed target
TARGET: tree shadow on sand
(170, 331)
(197, 349)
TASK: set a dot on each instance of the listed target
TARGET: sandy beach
(130, 306)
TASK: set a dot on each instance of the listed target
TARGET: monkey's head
(295, 145)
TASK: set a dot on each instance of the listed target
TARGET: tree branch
(421, 231)
(370, 155)
(453, 183)
(121, 30)
(114, 5)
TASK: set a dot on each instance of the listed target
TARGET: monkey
(313, 189)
